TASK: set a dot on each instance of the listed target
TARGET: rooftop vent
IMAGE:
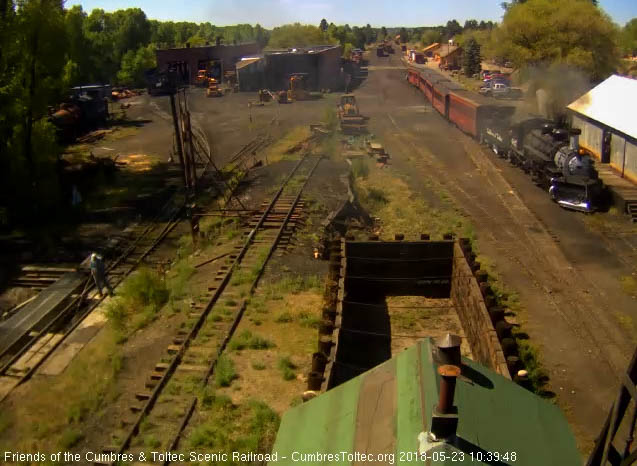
(444, 417)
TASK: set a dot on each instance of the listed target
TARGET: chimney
(449, 350)
(444, 416)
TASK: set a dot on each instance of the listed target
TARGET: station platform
(623, 191)
(39, 311)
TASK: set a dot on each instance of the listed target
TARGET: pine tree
(472, 60)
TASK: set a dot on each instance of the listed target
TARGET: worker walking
(98, 272)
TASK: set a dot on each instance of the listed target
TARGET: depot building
(605, 115)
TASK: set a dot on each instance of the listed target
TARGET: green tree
(404, 36)
(578, 34)
(297, 34)
(383, 33)
(134, 64)
(261, 36)
(323, 25)
(430, 36)
(507, 5)
(39, 40)
(472, 61)
(452, 28)
(470, 24)
(629, 37)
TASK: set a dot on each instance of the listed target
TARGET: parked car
(501, 90)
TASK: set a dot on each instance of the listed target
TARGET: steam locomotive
(549, 152)
(551, 155)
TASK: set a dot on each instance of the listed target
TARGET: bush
(225, 372)
(258, 366)
(145, 288)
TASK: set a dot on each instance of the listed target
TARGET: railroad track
(19, 364)
(167, 400)
(40, 343)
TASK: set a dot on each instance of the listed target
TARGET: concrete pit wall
(341, 352)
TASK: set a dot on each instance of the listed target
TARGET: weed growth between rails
(248, 427)
(139, 299)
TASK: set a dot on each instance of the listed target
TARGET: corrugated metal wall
(591, 137)
(623, 156)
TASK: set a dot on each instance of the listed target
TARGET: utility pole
(180, 149)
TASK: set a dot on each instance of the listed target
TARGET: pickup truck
(501, 90)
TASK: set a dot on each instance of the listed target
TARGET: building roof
(431, 47)
(449, 50)
(247, 61)
(302, 49)
(612, 103)
(384, 410)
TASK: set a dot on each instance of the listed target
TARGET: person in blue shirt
(98, 272)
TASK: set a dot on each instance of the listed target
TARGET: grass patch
(283, 318)
(250, 341)
(244, 428)
(292, 284)
(225, 372)
(389, 198)
(179, 279)
(287, 367)
(151, 441)
(70, 437)
(288, 147)
(258, 366)
(308, 320)
(62, 419)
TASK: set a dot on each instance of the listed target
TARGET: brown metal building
(321, 63)
(219, 58)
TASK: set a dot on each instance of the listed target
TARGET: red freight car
(413, 76)
(470, 112)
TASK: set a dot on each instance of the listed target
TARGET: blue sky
(378, 13)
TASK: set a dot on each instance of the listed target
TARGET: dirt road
(566, 275)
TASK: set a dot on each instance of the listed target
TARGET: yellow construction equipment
(298, 89)
(213, 88)
(350, 118)
(202, 78)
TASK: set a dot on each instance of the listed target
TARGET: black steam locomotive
(551, 154)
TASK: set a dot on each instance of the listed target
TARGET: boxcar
(471, 112)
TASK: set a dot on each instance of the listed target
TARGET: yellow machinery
(213, 88)
(297, 89)
(350, 118)
(201, 78)
(282, 97)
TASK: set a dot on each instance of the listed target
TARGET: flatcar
(549, 153)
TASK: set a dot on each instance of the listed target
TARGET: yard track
(43, 340)
(192, 357)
